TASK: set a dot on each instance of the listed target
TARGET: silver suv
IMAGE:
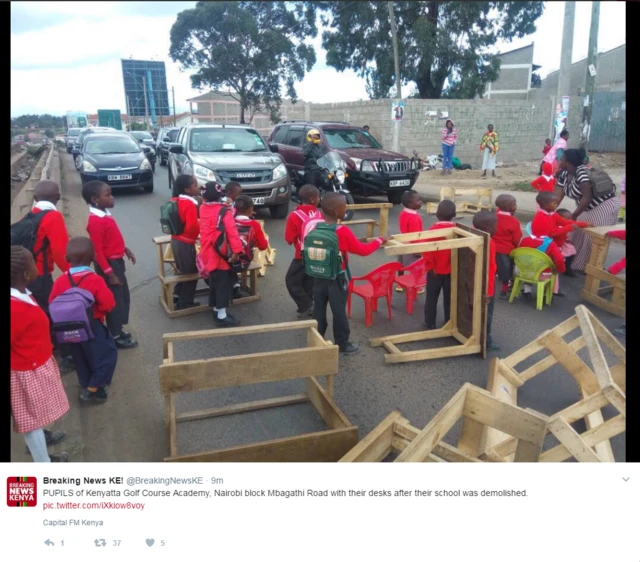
(224, 153)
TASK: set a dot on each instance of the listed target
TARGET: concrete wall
(523, 125)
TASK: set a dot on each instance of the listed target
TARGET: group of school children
(80, 316)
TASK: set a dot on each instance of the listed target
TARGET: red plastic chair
(413, 278)
(378, 283)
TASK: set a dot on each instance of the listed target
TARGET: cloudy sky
(66, 55)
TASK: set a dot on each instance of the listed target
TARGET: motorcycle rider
(312, 152)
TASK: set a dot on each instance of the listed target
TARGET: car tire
(279, 211)
(350, 201)
(77, 161)
(170, 181)
(395, 197)
(163, 162)
(148, 188)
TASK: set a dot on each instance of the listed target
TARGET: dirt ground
(21, 175)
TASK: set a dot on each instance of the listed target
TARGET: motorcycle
(331, 175)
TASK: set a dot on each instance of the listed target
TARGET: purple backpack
(72, 314)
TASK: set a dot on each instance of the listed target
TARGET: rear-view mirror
(146, 149)
(176, 149)
(166, 139)
(273, 147)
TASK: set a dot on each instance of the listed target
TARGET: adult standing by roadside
(449, 139)
(574, 182)
(490, 145)
(555, 154)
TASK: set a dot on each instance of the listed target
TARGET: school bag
(170, 219)
(25, 232)
(222, 247)
(72, 314)
(309, 222)
(601, 183)
(321, 253)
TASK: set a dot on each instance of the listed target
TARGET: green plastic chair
(531, 263)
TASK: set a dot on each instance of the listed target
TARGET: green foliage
(137, 126)
(49, 133)
(251, 49)
(436, 41)
(45, 121)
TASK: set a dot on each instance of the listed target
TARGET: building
(516, 75)
(145, 89)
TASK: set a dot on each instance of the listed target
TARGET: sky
(66, 55)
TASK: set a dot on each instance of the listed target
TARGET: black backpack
(223, 249)
(601, 183)
(25, 232)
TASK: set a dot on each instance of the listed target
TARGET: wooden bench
(596, 274)
(264, 257)
(382, 223)
(318, 358)
(483, 196)
(168, 282)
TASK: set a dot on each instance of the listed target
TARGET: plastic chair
(413, 278)
(531, 263)
(377, 283)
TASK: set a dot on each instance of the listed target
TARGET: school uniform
(95, 359)
(554, 226)
(109, 247)
(260, 239)
(491, 289)
(334, 292)
(299, 284)
(184, 248)
(621, 265)
(506, 239)
(221, 278)
(37, 394)
(567, 249)
(534, 241)
(438, 265)
(409, 221)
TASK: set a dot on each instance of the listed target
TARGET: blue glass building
(138, 75)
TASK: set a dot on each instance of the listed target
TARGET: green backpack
(170, 218)
(321, 254)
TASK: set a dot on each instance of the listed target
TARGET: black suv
(163, 141)
(372, 170)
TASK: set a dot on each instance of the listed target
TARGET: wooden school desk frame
(477, 408)
(319, 358)
(599, 386)
(596, 274)
(464, 207)
(264, 257)
(469, 266)
(382, 223)
(248, 278)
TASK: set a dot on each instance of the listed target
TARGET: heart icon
(150, 542)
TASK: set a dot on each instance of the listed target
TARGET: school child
(213, 266)
(506, 238)
(537, 239)
(95, 358)
(546, 181)
(410, 221)
(334, 291)
(184, 244)
(439, 269)
(231, 192)
(110, 250)
(244, 223)
(488, 222)
(37, 395)
(617, 268)
(567, 249)
(299, 284)
(545, 149)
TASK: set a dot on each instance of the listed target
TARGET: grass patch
(522, 186)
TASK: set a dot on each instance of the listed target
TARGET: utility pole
(146, 103)
(564, 75)
(396, 58)
(590, 83)
(173, 94)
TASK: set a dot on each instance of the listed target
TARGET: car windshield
(73, 132)
(173, 135)
(142, 135)
(116, 145)
(226, 140)
(350, 138)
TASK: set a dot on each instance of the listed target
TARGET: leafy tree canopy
(251, 49)
(436, 41)
(45, 121)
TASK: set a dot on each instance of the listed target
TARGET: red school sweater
(347, 242)
(410, 221)
(493, 269)
(188, 213)
(508, 233)
(438, 260)
(107, 239)
(261, 240)
(90, 281)
(53, 229)
(209, 214)
(293, 228)
(31, 345)
(552, 251)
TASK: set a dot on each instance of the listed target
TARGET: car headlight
(146, 165)
(204, 173)
(367, 166)
(88, 167)
(279, 172)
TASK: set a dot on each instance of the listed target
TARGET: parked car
(117, 159)
(224, 153)
(78, 143)
(165, 138)
(72, 135)
(146, 139)
(371, 169)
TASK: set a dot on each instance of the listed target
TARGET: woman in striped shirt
(574, 182)
(449, 139)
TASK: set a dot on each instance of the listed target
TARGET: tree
(134, 126)
(437, 41)
(49, 133)
(251, 49)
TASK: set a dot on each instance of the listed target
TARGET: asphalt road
(130, 426)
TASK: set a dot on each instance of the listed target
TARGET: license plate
(258, 200)
(399, 183)
(120, 177)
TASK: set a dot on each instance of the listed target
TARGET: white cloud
(330, 86)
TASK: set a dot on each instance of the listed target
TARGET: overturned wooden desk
(596, 274)
(382, 224)
(168, 281)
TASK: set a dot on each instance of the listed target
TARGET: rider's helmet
(313, 135)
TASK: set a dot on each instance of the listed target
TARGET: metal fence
(608, 122)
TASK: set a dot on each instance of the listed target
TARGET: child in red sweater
(96, 358)
(110, 250)
(410, 221)
(538, 240)
(184, 245)
(244, 223)
(37, 395)
(567, 248)
(487, 222)
(299, 284)
(617, 268)
(546, 181)
(545, 150)
(506, 238)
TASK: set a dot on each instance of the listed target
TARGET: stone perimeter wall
(523, 125)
